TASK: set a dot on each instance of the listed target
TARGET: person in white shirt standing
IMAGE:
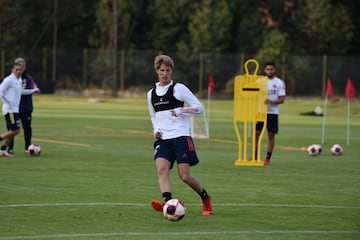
(29, 87)
(10, 94)
(276, 96)
(171, 130)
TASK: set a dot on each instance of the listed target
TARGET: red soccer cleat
(266, 161)
(207, 207)
(157, 205)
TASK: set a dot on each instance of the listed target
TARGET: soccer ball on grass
(336, 150)
(34, 149)
(314, 150)
(174, 210)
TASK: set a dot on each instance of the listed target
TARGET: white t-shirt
(174, 126)
(276, 88)
(10, 94)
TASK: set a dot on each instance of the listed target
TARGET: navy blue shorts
(272, 123)
(12, 121)
(181, 150)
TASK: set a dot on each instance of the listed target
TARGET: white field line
(164, 234)
(209, 233)
(146, 205)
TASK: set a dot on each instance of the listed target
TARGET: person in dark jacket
(26, 106)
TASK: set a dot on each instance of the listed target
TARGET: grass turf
(95, 177)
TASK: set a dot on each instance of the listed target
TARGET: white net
(199, 126)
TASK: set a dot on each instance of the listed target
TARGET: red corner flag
(329, 88)
(350, 89)
(211, 84)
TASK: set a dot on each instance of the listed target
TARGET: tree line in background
(254, 26)
(268, 29)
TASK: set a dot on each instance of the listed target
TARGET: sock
(3, 147)
(268, 155)
(203, 194)
(167, 196)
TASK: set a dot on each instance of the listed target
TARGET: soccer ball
(314, 150)
(34, 150)
(318, 148)
(174, 210)
(336, 150)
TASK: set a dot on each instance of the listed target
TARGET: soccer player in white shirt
(276, 96)
(171, 130)
(10, 94)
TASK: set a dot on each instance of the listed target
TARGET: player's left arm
(30, 86)
(281, 95)
(194, 106)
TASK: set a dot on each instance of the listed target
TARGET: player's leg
(186, 157)
(11, 144)
(272, 127)
(164, 161)
(259, 126)
(194, 183)
(13, 122)
(26, 124)
(163, 169)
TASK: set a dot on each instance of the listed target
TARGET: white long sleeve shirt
(174, 126)
(10, 93)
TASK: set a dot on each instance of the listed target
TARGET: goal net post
(199, 126)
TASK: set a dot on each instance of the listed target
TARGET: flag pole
(348, 123)
(323, 122)
(329, 92)
(211, 87)
(208, 107)
(349, 94)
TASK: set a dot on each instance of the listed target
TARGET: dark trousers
(25, 119)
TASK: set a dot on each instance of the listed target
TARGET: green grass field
(95, 177)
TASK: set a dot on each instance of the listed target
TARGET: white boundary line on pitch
(241, 232)
(146, 205)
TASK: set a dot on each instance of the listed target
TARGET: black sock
(203, 194)
(167, 196)
(3, 147)
(268, 155)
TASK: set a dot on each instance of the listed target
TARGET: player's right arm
(156, 130)
(3, 86)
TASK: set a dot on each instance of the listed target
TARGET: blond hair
(163, 59)
(20, 61)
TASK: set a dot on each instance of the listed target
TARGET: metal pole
(115, 26)
(54, 42)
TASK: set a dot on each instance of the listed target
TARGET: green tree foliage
(325, 27)
(209, 26)
(169, 30)
(306, 26)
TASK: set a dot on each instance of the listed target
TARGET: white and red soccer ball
(314, 150)
(336, 150)
(34, 149)
(174, 210)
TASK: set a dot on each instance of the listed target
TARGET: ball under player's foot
(207, 207)
(157, 205)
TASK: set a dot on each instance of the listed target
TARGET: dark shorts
(272, 124)
(181, 150)
(12, 121)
